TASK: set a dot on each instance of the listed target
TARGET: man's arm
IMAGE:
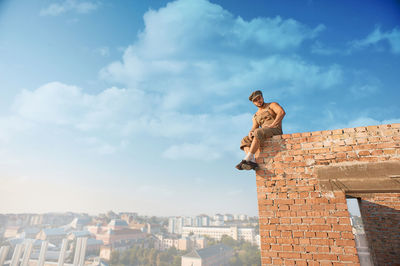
(280, 113)
(254, 127)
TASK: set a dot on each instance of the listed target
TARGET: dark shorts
(261, 134)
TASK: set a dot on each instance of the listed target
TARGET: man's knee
(258, 133)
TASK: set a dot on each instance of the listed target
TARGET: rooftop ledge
(336, 131)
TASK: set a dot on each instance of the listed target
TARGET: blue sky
(141, 105)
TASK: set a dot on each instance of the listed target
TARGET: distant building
(137, 226)
(36, 219)
(53, 235)
(228, 217)
(93, 246)
(116, 233)
(175, 225)
(29, 232)
(201, 220)
(75, 234)
(129, 217)
(218, 220)
(188, 221)
(216, 255)
(184, 243)
(12, 231)
(111, 215)
(246, 234)
(117, 224)
(80, 223)
(153, 228)
(218, 217)
(243, 217)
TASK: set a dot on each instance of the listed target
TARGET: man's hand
(251, 134)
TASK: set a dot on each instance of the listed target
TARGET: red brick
(320, 227)
(287, 247)
(284, 201)
(346, 235)
(345, 243)
(325, 263)
(298, 234)
(352, 258)
(319, 241)
(336, 249)
(311, 262)
(277, 262)
(310, 234)
(321, 234)
(275, 233)
(289, 262)
(269, 254)
(341, 228)
(390, 151)
(289, 255)
(304, 241)
(350, 250)
(323, 249)
(364, 153)
(266, 260)
(344, 221)
(301, 262)
(268, 240)
(325, 256)
(276, 247)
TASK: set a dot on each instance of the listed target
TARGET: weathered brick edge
(299, 223)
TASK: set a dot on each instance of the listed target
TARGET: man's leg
(255, 144)
(251, 147)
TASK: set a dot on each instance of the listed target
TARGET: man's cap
(255, 94)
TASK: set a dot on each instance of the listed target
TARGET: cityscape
(127, 238)
(121, 125)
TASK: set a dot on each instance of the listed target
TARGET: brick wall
(301, 224)
(382, 226)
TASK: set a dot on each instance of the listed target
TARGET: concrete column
(27, 252)
(77, 251)
(3, 254)
(83, 251)
(61, 258)
(16, 255)
(42, 255)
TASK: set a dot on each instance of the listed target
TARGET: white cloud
(321, 49)
(377, 36)
(183, 78)
(107, 121)
(81, 7)
(193, 49)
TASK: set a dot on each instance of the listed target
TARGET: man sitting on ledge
(267, 122)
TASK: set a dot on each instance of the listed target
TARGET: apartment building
(237, 233)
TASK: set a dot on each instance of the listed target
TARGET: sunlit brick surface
(302, 225)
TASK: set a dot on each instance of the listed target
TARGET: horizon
(142, 105)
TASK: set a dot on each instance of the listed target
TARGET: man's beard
(260, 105)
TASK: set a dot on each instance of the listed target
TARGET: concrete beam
(361, 177)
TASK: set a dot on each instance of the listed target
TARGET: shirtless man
(267, 122)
